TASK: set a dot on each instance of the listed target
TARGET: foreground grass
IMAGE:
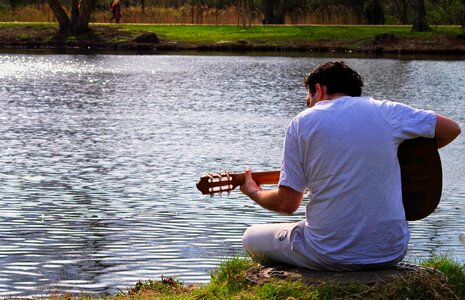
(322, 38)
(231, 281)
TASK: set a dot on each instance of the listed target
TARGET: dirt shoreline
(106, 38)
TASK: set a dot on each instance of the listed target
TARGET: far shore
(155, 38)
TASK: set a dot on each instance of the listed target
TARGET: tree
(274, 11)
(419, 16)
(80, 15)
(401, 10)
(375, 12)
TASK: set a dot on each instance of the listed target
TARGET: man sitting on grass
(343, 149)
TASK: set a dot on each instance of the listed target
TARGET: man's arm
(282, 199)
(446, 130)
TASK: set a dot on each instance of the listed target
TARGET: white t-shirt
(344, 151)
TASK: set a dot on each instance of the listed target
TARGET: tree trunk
(356, 5)
(243, 12)
(142, 4)
(74, 15)
(80, 15)
(268, 12)
(401, 7)
(85, 11)
(274, 11)
(60, 15)
(280, 13)
(375, 13)
(192, 13)
(419, 16)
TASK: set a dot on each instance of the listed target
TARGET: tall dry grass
(182, 15)
(29, 13)
(334, 14)
(188, 15)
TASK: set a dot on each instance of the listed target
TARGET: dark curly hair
(337, 77)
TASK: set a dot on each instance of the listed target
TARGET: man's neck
(335, 96)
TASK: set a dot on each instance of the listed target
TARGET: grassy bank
(233, 281)
(363, 39)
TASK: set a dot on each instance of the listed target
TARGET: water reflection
(100, 155)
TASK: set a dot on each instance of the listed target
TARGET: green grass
(320, 38)
(280, 34)
(37, 25)
(24, 36)
(230, 281)
(455, 272)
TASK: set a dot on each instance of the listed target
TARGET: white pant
(273, 243)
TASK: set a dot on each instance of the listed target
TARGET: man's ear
(320, 93)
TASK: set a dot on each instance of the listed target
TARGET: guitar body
(421, 174)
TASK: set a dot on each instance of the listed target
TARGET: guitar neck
(226, 182)
(270, 177)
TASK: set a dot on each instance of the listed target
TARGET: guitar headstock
(214, 183)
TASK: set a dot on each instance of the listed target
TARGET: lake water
(100, 155)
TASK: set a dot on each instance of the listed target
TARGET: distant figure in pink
(116, 11)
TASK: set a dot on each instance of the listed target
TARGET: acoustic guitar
(421, 175)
